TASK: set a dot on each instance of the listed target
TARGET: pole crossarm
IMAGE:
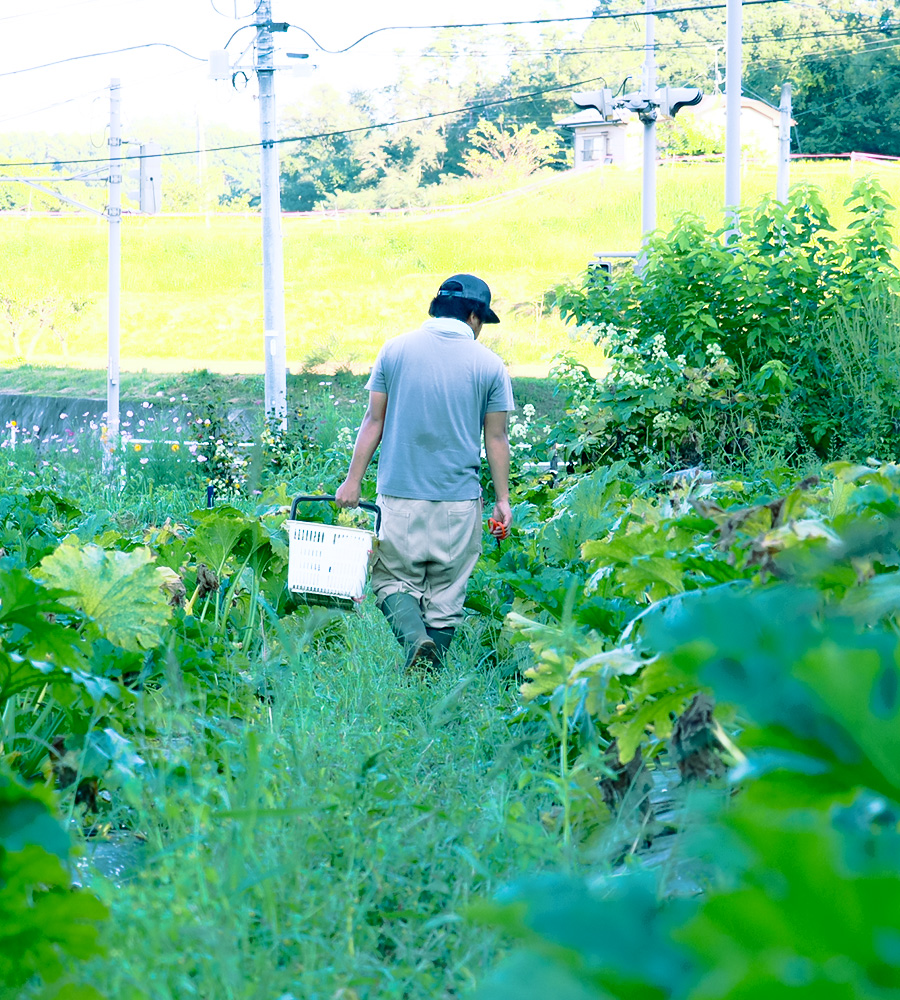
(87, 175)
(32, 182)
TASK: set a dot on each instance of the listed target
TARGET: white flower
(662, 420)
(658, 351)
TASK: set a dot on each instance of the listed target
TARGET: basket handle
(366, 504)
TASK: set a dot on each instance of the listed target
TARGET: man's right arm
(367, 440)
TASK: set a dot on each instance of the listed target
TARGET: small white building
(759, 123)
(598, 142)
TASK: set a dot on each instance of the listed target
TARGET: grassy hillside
(192, 287)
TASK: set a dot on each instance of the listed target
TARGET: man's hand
(503, 514)
(347, 494)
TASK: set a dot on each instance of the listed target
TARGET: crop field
(661, 758)
(191, 287)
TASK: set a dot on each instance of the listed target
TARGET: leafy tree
(686, 136)
(497, 148)
(851, 104)
(320, 166)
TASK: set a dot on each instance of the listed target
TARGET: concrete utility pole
(648, 194)
(273, 257)
(114, 269)
(784, 145)
(733, 58)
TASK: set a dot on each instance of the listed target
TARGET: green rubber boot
(404, 616)
(441, 637)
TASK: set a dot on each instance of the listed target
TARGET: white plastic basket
(329, 560)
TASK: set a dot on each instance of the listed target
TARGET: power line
(57, 104)
(111, 52)
(662, 46)
(336, 133)
(828, 104)
(235, 33)
(657, 12)
(235, 16)
(876, 45)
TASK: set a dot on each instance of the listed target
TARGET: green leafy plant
(722, 349)
(45, 924)
(802, 867)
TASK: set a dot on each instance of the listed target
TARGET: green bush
(775, 339)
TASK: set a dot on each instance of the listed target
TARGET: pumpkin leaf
(119, 591)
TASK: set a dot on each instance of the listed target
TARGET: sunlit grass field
(191, 287)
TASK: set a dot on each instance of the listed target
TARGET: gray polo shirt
(440, 383)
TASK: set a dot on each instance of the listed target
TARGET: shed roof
(587, 116)
(716, 102)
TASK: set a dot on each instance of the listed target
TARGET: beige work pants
(428, 548)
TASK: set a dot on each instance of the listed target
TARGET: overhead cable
(337, 132)
(111, 52)
(656, 12)
(703, 43)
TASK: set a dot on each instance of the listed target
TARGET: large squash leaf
(119, 591)
(218, 535)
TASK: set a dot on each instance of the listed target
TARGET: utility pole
(784, 144)
(648, 117)
(733, 58)
(647, 104)
(114, 269)
(273, 257)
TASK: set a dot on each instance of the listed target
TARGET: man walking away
(432, 393)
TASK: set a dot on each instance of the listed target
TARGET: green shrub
(771, 340)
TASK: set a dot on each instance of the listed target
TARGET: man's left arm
(496, 446)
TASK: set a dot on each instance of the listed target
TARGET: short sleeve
(500, 397)
(377, 381)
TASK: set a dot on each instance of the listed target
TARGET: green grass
(191, 288)
(328, 835)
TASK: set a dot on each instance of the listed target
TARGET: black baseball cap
(467, 286)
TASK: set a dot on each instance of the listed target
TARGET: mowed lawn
(192, 287)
